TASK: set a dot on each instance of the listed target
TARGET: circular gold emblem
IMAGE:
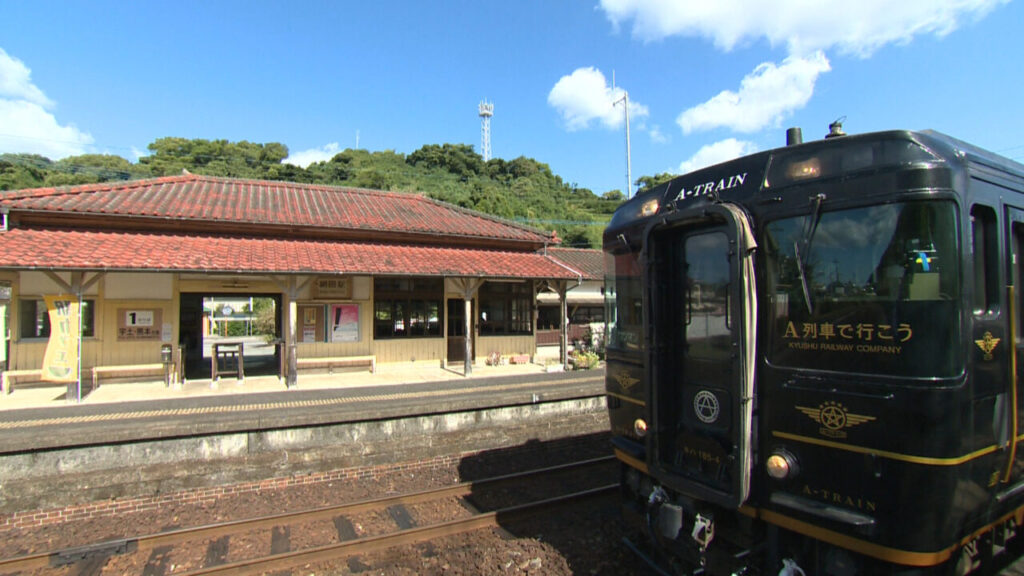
(833, 417)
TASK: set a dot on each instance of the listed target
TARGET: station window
(35, 321)
(407, 307)
(506, 308)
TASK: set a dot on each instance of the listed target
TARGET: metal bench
(330, 362)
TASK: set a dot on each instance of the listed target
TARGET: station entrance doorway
(244, 328)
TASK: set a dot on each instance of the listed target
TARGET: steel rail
(66, 556)
(372, 544)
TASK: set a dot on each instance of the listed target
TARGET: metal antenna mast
(629, 169)
(486, 111)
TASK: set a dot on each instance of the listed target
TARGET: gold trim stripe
(895, 555)
(1011, 300)
(927, 460)
(630, 461)
(629, 399)
(860, 546)
(15, 424)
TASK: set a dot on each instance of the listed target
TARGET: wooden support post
(467, 368)
(291, 344)
(468, 288)
(563, 340)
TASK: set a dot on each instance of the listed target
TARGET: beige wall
(133, 291)
(410, 350)
(150, 291)
(504, 345)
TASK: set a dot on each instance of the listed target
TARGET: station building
(349, 276)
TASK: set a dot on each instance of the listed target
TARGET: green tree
(213, 157)
(23, 171)
(645, 183)
(458, 159)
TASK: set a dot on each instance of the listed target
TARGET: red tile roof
(205, 199)
(27, 248)
(589, 263)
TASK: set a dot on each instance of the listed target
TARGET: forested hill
(522, 190)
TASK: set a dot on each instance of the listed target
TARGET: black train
(813, 360)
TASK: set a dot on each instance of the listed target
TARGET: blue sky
(707, 81)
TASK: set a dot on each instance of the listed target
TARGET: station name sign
(333, 287)
(713, 187)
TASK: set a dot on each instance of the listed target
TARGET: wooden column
(467, 288)
(291, 289)
(467, 364)
(292, 375)
(561, 286)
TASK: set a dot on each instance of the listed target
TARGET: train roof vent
(794, 136)
(835, 129)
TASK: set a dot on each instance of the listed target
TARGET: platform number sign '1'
(138, 324)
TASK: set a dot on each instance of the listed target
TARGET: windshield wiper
(802, 249)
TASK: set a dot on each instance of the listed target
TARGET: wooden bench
(331, 362)
(126, 371)
(9, 378)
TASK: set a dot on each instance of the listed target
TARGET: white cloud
(307, 157)
(718, 152)
(26, 127)
(855, 28)
(657, 136)
(766, 96)
(25, 124)
(16, 82)
(585, 96)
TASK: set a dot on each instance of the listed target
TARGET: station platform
(42, 418)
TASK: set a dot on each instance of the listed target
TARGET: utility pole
(629, 169)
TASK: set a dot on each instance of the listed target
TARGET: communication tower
(486, 111)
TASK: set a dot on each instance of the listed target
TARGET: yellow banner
(60, 363)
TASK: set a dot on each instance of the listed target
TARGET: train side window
(1017, 231)
(986, 259)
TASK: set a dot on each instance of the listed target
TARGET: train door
(702, 321)
(1015, 421)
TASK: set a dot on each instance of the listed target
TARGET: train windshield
(871, 290)
(623, 298)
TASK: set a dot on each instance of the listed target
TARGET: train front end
(797, 379)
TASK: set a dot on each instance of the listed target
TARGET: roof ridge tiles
(76, 189)
(491, 217)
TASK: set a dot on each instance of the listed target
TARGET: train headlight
(781, 465)
(640, 427)
(649, 208)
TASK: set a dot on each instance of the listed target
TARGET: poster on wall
(139, 324)
(312, 323)
(344, 323)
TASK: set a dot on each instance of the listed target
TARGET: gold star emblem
(834, 418)
(625, 380)
(987, 344)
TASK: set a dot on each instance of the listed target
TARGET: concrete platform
(34, 419)
(37, 396)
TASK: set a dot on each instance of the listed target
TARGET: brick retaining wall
(107, 508)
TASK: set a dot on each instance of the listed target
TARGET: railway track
(452, 510)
